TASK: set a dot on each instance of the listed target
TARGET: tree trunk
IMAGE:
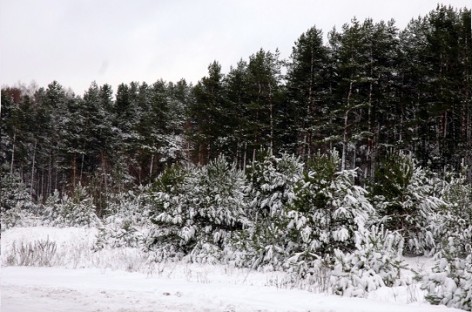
(49, 181)
(81, 169)
(13, 154)
(74, 171)
(32, 168)
(245, 156)
(150, 167)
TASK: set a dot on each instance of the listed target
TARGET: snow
(59, 289)
(120, 280)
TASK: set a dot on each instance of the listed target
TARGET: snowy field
(76, 278)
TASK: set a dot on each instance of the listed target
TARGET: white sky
(111, 41)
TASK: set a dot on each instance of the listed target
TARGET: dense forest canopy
(370, 91)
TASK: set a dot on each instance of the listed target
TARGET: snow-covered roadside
(83, 279)
(58, 289)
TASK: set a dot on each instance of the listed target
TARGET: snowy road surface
(87, 290)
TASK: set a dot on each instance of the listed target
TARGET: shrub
(375, 263)
(37, 253)
(77, 210)
(450, 283)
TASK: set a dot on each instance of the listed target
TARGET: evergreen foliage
(15, 200)
(376, 262)
(197, 215)
(271, 183)
(406, 200)
(126, 223)
(451, 281)
(77, 210)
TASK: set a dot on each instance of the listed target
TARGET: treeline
(370, 90)
(308, 219)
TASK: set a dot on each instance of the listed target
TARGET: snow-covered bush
(450, 283)
(376, 262)
(127, 222)
(406, 199)
(77, 210)
(37, 253)
(196, 210)
(454, 219)
(119, 234)
(17, 207)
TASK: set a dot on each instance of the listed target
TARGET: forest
(370, 91)
(356, 144)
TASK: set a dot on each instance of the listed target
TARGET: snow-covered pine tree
(451, 280)
(271, 190)
(127, 222)
(52, 212)
(196, 209)
(450, 283)
(77, 210)
(326, 215)
(219, 208)
(406, 198)
(454, 219)
(169, 212)
(376, 262)
(17, 207)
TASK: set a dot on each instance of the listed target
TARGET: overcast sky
(111, 41)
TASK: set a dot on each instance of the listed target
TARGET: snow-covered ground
(57, 289)
(101, 281)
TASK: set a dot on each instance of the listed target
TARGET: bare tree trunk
(32, 168)
(245, 156)
(105, 182)
(74, 171)
(42, 183)
(370, 145)
(81, 169)
(310, 109)
(49, 181)
(304, 147)
(56, 179)
(150, 166)
(13, 154)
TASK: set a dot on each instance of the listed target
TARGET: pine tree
(307, 93)
(50, 115)
(365, 90)
(328, 211)
(209, 115)
(406, 200)
(196, 210)
(271, 190)
(236, 84)
(263, 88)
